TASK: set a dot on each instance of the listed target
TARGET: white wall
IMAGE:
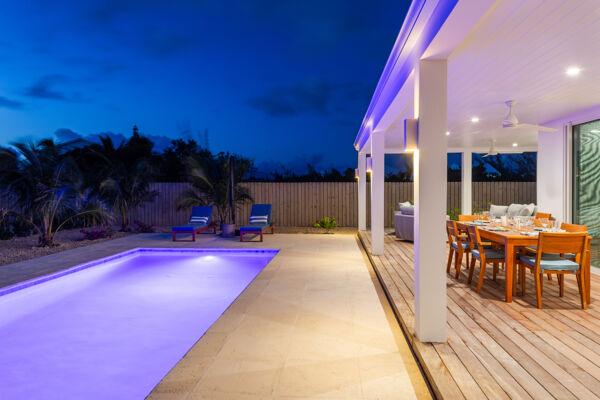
(554, 187)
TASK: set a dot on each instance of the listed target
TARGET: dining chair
(459, 245)
(565, 227)
(485, 254)
(540, 215)
(548, 260)
(466, 218)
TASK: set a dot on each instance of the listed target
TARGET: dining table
(513, 240)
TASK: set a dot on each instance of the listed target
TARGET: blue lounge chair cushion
(465, 245)
(550, 262)
(490, 254)
(189, 227)
(255, 227)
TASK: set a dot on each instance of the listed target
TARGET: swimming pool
(112, 328)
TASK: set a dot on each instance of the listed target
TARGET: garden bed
(25, 248)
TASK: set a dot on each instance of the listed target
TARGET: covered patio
(494, 349)
(444, 89)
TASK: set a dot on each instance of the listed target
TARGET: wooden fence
(300, 204)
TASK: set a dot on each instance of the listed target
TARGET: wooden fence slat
(301, 203)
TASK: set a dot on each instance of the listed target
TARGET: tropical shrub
(125, 177)
(44, 187)
(94, 234)
(326, 223)
(210, 179)
(141, 227)
(5, 226)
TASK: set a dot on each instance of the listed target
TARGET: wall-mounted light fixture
(369, 164)
(356, 173)
(411, 134)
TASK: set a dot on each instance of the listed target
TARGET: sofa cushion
(407, 210)
(514, 210)
(405, 204)
(498, 211)
(527, 210)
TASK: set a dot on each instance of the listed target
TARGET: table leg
(509, 254)
(586, 273)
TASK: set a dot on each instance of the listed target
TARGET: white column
(466, 185)
(362, 191)
(430, 171)
(377, 195)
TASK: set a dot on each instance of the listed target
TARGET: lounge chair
(199, 222)
(260, 222)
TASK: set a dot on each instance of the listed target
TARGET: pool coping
(80, 267)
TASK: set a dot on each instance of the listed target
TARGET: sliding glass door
(586, 181)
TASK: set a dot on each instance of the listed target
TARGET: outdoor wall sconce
(411, 134)
(356, 173)
(369, 164)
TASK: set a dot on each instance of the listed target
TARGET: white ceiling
(520, 50)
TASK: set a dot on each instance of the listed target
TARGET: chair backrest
(466, 218)
(572, 242)
(260, 210)
(201, 212)
(451, 231)
(474, 238)
(573, 227)
(539, 215)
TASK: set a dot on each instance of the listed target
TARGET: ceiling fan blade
(536, 127)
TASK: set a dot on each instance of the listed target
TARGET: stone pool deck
(313, 324)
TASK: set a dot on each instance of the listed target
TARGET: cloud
(311, 95)
(8, 103)
(44, 88)
(66, 135)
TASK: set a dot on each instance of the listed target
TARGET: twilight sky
(276, 80)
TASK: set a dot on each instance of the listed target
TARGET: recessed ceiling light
(595, 131)
(448, 133)
(573, 71)
(515, 144)
(475, 120)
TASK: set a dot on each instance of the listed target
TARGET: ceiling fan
(492, 151)
(511, 121)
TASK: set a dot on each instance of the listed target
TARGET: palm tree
(44, 187)
(125, 181)
(210, 179)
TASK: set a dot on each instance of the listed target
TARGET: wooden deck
(500, 350)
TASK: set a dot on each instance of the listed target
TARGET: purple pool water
(113, 328)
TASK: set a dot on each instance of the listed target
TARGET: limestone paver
(313, 324)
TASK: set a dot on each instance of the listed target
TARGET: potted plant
(215, 182)
(326, 223)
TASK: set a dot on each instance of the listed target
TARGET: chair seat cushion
(189, 227)
(254, 227)
(490, 254)
(550, 262)
(465, 245)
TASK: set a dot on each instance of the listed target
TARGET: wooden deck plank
(495, 349)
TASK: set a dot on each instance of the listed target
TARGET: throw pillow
(498, 211)
(515, 210)
(527, 210)
(407, 210)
